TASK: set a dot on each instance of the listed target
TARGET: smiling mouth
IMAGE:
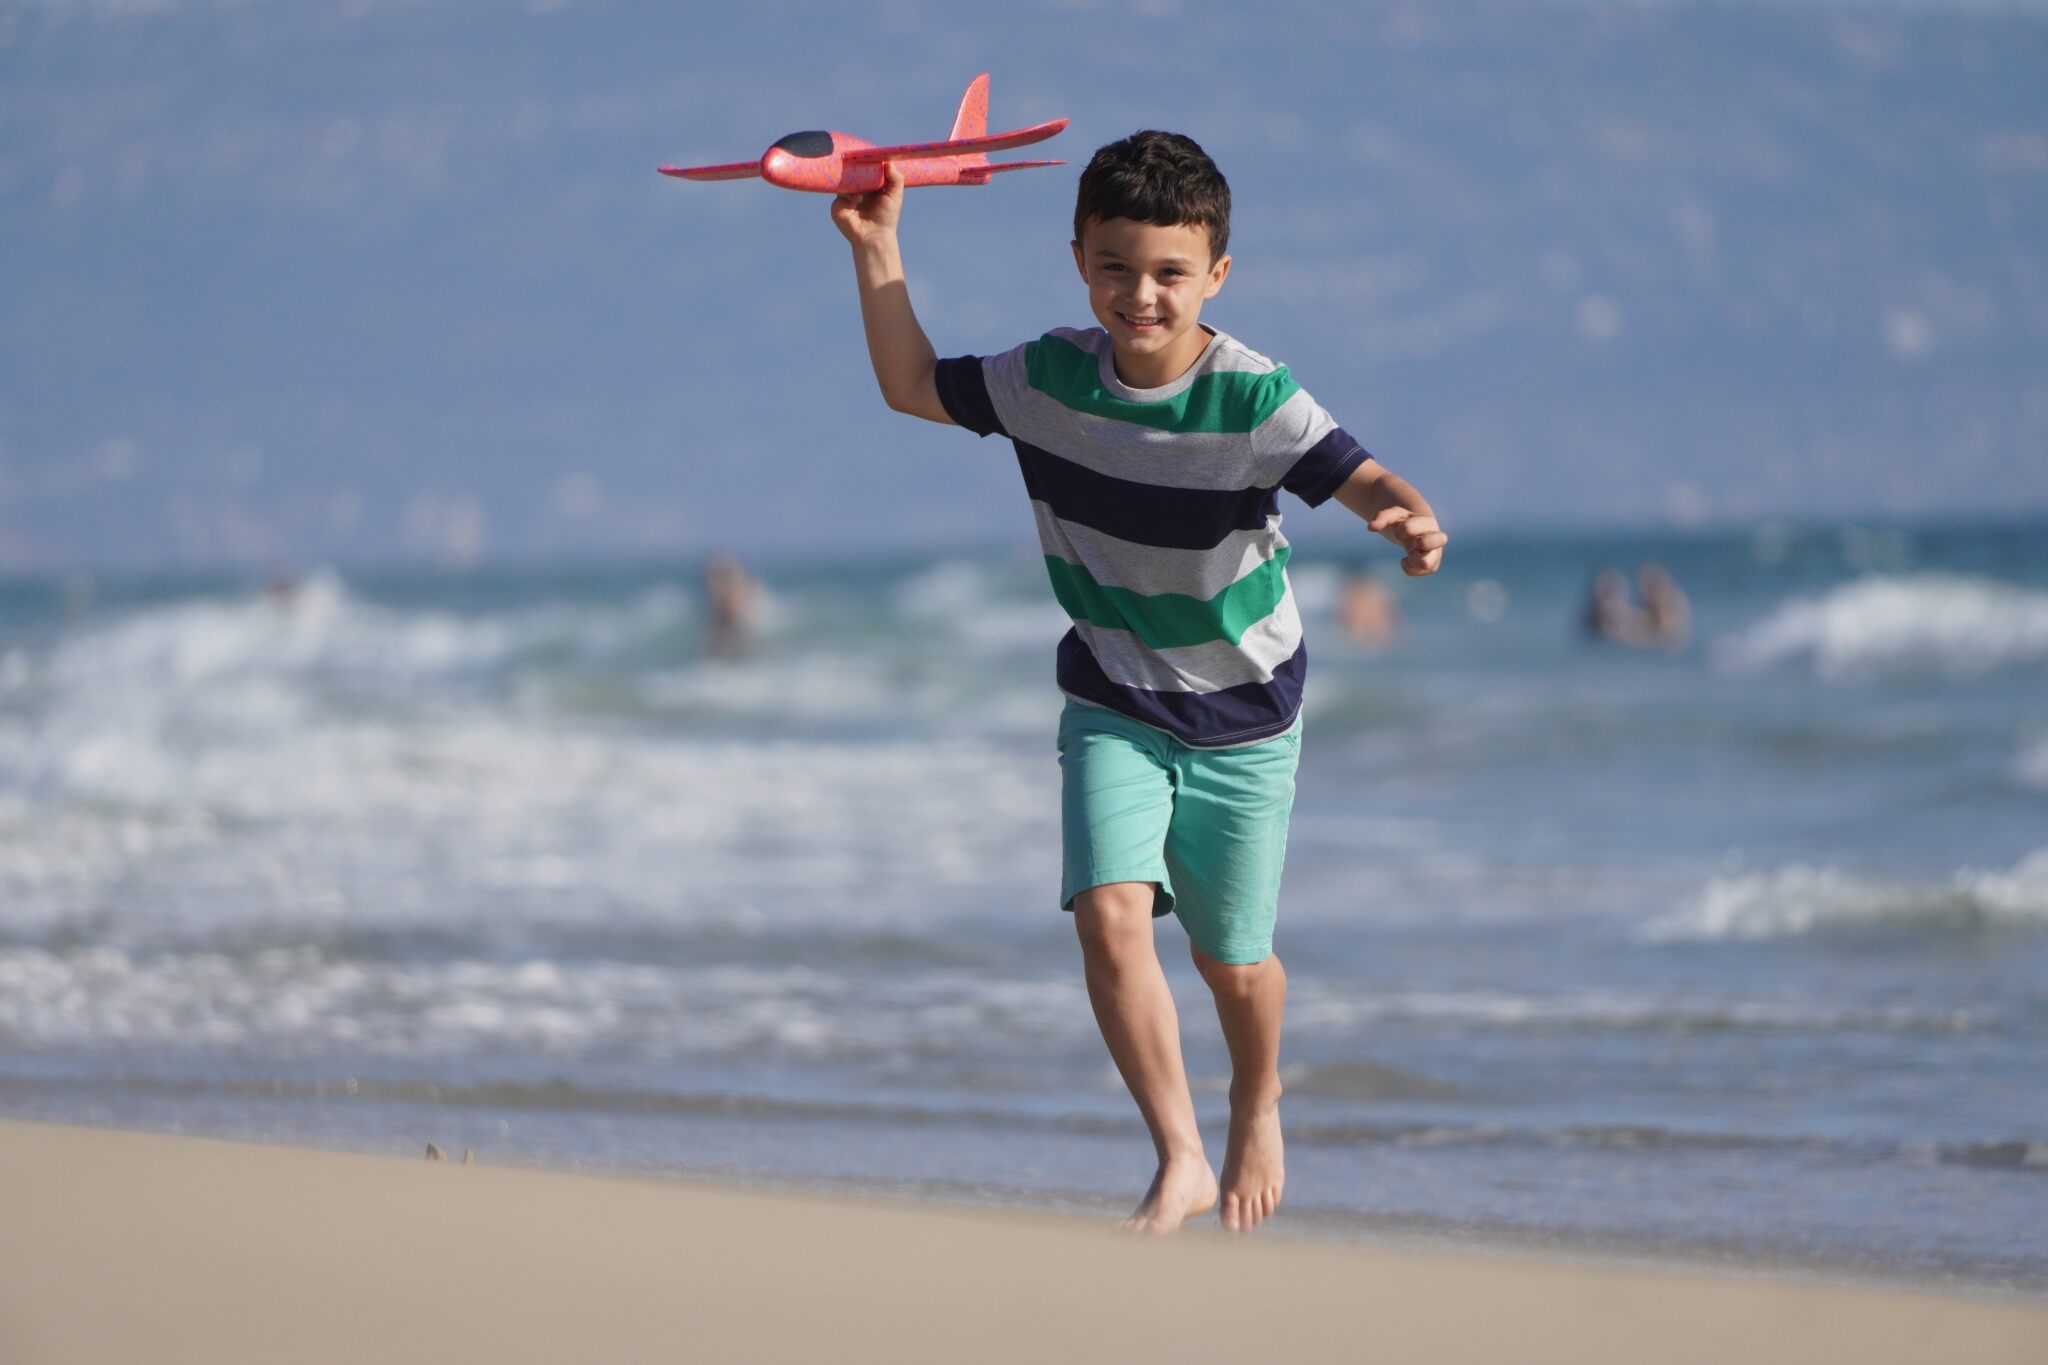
(1141, 324)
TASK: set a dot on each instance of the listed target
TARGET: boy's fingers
(1419, 525)
(1434, 540)
(1390, 516)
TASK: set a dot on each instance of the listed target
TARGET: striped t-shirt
(1159, 513)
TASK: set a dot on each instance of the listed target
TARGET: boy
(1154, 449)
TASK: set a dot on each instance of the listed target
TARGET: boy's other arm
(902, 355)
(1391, 506)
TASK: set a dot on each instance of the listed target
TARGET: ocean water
(1736, 952)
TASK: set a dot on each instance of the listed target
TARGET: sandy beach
(146, 1247)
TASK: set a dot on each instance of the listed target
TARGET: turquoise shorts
(1208, 827)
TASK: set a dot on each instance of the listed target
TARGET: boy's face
(1146, 286)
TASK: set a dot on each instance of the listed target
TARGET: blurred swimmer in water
(1660, 621)
(1611, 613)
(734, 599)
(1667, 615)
(1366, 611)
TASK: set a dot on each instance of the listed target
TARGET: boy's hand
(863, 218)
(1416, 533)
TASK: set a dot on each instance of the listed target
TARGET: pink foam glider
(839, 163)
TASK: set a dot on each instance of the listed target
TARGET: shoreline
(132, 1245)
(1305, 1222)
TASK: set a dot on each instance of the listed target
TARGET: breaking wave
(1799, 901)
(1946, 625)
(323, 628)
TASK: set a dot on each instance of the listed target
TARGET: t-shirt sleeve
(963, 393)
(976, 391)
(1302, 449)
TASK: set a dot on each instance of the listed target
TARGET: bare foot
(1182, 1187)
(1252, 1168)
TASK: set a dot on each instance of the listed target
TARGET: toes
(1243, 1212)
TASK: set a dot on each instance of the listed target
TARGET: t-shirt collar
(1106, 362)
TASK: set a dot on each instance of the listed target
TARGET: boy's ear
(1218, 273)
(1079, 264)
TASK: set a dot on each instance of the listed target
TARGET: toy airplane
(838, 163)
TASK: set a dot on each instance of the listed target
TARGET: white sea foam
(220, 761)
(322, 626)
(992, 610)
(485, 821)
(1942, 624)
(298, 1001)
(1314, 1009)
(1798, 901)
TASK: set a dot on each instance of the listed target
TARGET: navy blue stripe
(1147, 513)
(963, 393)
(1322, 470)
(1236, 715)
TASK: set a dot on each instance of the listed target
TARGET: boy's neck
(1162, 367)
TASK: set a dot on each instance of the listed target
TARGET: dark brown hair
(1155, 177)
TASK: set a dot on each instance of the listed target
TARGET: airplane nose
(776, 166)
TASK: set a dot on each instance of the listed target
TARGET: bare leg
(1134, 1008)
(1249, 1002)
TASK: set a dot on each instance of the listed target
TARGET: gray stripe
(1197, 668)
(1215, 460)
(1005, 377)
(1148, 568)
(1287, 435)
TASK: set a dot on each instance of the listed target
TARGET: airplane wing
(965, 146)
(978, 175)
(731, 170)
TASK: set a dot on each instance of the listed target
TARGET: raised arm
(902, 355)
(1392, 507)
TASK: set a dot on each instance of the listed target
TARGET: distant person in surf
(733, 597)
(1366, 611)
(1611, 613)
(1667, 615)
(1661, 620)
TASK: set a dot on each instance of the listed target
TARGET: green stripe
(1227, 400)
(1171, 620)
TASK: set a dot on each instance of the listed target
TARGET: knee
(1114, 921)
(1235, 979)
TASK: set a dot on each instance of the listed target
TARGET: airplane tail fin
(972, 120)
(978, 175)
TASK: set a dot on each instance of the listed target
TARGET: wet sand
(146, 1247)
